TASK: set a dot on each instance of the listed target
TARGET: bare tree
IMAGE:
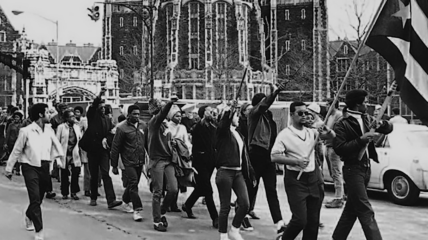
(369, 72)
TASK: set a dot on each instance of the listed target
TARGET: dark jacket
(12, 133)
(130, 142)
(99, 126)
(348, 143)
(56, 121)
(203, 140)
(158, 138)
(227, 149)
(243, 129)
(261, 127)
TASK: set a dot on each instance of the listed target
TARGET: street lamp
(17, 12)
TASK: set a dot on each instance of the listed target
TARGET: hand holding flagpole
(356, 56)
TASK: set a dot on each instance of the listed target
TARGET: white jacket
(34, 145)
(62, 133)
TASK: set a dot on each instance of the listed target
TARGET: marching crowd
(175, 152)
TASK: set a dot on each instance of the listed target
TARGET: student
(35, 147)
(233, 170)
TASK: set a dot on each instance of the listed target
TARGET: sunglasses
(303, 113)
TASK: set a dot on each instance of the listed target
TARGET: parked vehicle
(403, 164)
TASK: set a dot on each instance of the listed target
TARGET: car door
(383, 150)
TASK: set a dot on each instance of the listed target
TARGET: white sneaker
(234, 234)
(127, 208)
(137, 216)
(39, 235)
(29, 224)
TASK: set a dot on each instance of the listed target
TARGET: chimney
(70, 44)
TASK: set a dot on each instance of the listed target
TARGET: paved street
(66, 219)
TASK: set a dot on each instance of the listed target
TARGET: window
(287, 70)
(345, 50)
(303, 14)
(135, 50)
(121, 73)
(135, 21)
(2, 36)
(193, 63)
(287, 14)
(221, 8)
(303, 45)
(121, 50)
(121, 21)
(287, 45)
(343, 64)
(194, 8)
(110, 93)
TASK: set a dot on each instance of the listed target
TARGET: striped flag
(400, 35)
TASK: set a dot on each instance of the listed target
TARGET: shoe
(127, 208)
(234, 234)
(253, 215)
(164, 221)
(39, 235)
(335, 203)
(50, 195)
(28, 224)
(215, 223)
(159, 227)
(114, 204)
(137, 216)
(87, 193)
(246, 225)
(18, 173)
(65, 197)
(188, 211)
(74, 197)
(175, 210)
(93, 203)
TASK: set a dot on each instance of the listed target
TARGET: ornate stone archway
(71, 91)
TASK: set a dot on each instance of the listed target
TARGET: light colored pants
(335, 169)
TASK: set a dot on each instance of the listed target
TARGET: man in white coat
(69, 134)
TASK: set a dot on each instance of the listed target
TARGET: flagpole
(354, 59)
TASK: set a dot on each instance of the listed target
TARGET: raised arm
(265, 104)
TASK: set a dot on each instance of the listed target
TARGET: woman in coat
(69, 135)
(233, 169)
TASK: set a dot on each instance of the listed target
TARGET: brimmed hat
(314, 107)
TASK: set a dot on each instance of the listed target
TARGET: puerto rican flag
(400, 35)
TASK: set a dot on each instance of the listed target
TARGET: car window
(418, 139)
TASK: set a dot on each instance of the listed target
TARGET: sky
(76, 26)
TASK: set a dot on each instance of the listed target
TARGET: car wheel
(402, 190)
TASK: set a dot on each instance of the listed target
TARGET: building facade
(10, 79)
(202, 47)
(81, 74)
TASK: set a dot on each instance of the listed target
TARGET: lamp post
(17, 12)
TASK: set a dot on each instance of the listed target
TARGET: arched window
(345, 50)
(303, 45)
(121, 50)
(287, 14)
(303, 13)
(121, 21)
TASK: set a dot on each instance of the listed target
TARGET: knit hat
(174, 110)
(355, 96)
(201, 111)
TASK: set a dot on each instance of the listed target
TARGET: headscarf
(174, 110)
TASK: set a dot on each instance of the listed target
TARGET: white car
(403, 164)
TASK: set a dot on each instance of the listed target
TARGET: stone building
(202, 47)
(10, 79)
(81, 74)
